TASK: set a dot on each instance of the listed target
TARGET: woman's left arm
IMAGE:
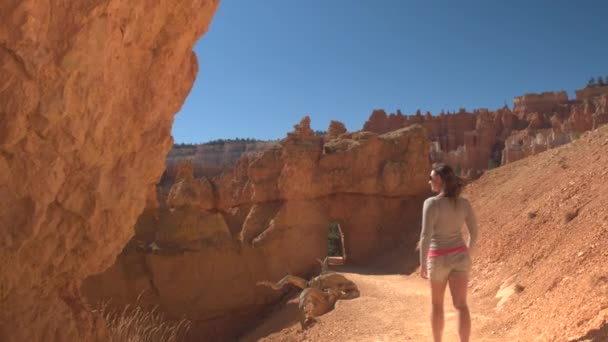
(428, 224)
(471, 222)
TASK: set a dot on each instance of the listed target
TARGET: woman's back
(443, 218)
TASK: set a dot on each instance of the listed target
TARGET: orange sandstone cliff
(87, 97)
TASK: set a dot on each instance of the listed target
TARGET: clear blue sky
(266, 64)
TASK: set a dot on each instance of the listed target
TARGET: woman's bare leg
(437, 318)
(458, 288)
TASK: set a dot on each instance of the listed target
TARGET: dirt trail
(391, 308)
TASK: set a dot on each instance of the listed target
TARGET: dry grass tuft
(135, 324)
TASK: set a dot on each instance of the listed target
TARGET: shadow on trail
(595, 335)
(402, 260)
(281, 318)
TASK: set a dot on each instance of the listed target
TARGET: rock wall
(201, 256)
(87, 98)
(542, 103)
(591, 92)
(474, 142)
(584, 115)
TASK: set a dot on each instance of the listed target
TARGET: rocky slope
(87, 98)
(544, 240)
(201, 254)
(475, 141)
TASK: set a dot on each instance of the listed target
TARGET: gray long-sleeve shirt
(442, 221)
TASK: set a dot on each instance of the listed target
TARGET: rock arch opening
(336, 250)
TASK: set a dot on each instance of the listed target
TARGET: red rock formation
(303, 128)
(447, 129)
(533, 103)
(88, 93)
(335, 129)
(197, 193)
(472, 142)
(377, 122)
(586, 113)
(529, 142)
(600, 115)
(271, 217)
(591, 92)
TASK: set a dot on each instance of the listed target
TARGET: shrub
(135, 324)
(492, 164)
(334, 240)
(575, 135)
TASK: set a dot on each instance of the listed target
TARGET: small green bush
(575, 135)
(334, 240)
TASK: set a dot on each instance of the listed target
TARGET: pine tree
(591, 82)
(600, 81)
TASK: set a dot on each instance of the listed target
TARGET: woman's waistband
(440, 252)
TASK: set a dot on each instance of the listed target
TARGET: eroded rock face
(526, 143)
(87, 97)
(212, 159)
(270, 217)
(473, 142)
(588, 112)
(591, 92)
(539, 103)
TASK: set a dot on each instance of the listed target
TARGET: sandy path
(391, 308)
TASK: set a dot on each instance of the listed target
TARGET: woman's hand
(423, 272)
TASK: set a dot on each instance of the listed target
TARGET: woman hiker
(444, 254)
